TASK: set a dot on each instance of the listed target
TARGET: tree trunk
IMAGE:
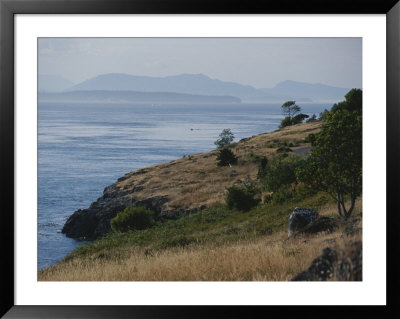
(353, 201)
(338, 205)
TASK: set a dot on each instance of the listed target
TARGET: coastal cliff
(185, 185)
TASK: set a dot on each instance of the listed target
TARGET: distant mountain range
(201, 85)
(53, 83)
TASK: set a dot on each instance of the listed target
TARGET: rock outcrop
(321, 269)
(307, 221)
(94, 221)
(321, 224)
(300, 218)
(344, 265)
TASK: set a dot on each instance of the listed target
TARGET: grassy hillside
(216, 243)
(196, 180)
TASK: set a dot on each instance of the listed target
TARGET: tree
(226, 137)
(353, 102)
(226, 157)
(299, 118)
(335, 163)
(290, 108)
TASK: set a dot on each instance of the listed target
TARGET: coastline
(185, 185)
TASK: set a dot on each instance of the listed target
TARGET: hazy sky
(260, 62)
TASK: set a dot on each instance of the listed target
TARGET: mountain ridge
(200, 84)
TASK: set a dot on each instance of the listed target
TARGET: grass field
(213, 245)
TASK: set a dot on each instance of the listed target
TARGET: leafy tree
(226, 137)
(299, 118)
(226, 157)
(352, 102)
(290, 108)
(335, 163)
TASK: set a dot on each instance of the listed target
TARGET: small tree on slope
(335, 164)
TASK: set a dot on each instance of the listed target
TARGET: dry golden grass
(267, 258)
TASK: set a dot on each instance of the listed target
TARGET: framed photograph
(159, 155)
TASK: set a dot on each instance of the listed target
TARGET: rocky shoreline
(94, 221)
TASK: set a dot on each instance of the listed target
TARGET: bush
(282, 195)
(279, 172)
(287, 121)
(284, 149)
(313, 118)
(310, 138)
(303, 191)
(263, 163)
(132, 218)
(241, 197)
(299, 118)
(226, 157)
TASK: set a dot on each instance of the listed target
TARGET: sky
(259, 62)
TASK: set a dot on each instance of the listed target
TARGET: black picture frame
(8, 8)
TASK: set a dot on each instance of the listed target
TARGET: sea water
(82, 148)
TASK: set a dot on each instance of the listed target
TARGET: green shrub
(279, 172)
(303, 191)
(283, 194)
(313, 118)
(132, 218)
(241, 197)
(299, 118)
(310, 138)
(263, 162)
(226, 157)
(284, 149)
(287, 121)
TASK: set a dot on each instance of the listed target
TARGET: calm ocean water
(86, 147)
